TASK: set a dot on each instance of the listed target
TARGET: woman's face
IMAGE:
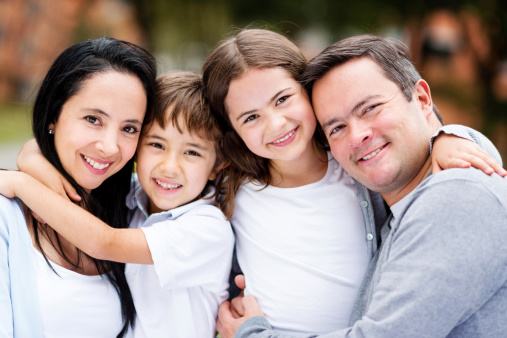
(271, 113)
(98, 128)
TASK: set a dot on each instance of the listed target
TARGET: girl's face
(98, 128)
(271, 113)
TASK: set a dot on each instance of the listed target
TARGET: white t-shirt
(192, 248)
(75, 305)
(303, 251)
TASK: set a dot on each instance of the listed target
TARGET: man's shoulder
(460, 192)
(463, 179)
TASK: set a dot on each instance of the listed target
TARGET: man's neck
(393, 197)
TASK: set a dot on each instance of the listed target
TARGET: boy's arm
(78, 226)
(450, 149)
(31, 161)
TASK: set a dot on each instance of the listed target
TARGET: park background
(459, 47)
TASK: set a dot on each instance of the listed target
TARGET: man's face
(376, 135)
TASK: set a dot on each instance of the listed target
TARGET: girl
(305, 230)
(86, 120)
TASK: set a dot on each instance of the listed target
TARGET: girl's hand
(451, 151)
(31, 161)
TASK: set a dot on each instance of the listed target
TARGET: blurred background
(460, 47)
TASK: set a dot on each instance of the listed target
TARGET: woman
(86, 121)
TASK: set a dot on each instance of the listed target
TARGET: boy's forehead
(178, 130)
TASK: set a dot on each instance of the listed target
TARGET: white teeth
(367, 157)
(168, 186)
(94, 164)
(285, 138)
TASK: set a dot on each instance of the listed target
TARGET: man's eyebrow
(354, 109)
(270, 100)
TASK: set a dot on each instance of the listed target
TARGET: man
(442, 266)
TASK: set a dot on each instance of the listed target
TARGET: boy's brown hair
(179, 96)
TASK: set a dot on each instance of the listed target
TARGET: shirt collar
(138, 199)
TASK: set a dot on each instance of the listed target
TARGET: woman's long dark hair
(63, 80)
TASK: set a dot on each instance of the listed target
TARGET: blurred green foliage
(15, 122)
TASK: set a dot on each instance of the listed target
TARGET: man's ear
(422, 94)
(217, 169)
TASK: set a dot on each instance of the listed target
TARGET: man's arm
(438, 269)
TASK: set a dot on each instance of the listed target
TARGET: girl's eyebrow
(269, 101)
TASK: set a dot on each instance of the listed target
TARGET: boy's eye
(131, 129)
(92, 119)
(282, 99)
(156, 145)
(192, 153)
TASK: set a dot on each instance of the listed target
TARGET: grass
(15, 122)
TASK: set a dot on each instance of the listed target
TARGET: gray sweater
(442, 267)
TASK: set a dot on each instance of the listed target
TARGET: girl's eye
(92, 119)
(131, 129)
(157, 145)
(192, 153)
(282, 99)
(250, 118)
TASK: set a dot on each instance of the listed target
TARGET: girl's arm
(456, 146)
(78, 226)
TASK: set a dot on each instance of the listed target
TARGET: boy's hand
(455, 152)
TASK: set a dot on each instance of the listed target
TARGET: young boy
(179, 244)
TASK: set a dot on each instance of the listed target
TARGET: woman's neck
(308, 168)
(50, 242)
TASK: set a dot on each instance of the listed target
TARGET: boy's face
(173, 167)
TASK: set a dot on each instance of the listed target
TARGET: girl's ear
(217, 169)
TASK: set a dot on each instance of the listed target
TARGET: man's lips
(372, 154)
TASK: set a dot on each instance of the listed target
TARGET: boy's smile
(173, 167)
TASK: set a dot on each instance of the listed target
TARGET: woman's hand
(451, 151)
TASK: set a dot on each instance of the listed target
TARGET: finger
(71, 191)
(481, 164)
(435, 166)
(40, 220)
(252, 309)
(240, 281)
(494, 165)
(237, 308)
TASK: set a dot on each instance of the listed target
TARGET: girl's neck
(308, 168)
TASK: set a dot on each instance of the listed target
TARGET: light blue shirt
(19, 308)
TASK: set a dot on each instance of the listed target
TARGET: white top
(303, 251)
(75, 305)
(192, 248)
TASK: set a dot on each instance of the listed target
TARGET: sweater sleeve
(471, 135)
(6, 327)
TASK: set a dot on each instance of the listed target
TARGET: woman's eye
(131, 130)
(92, 119)
(192, 153)
(282, 99)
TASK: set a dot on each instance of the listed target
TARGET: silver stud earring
(50, 131)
